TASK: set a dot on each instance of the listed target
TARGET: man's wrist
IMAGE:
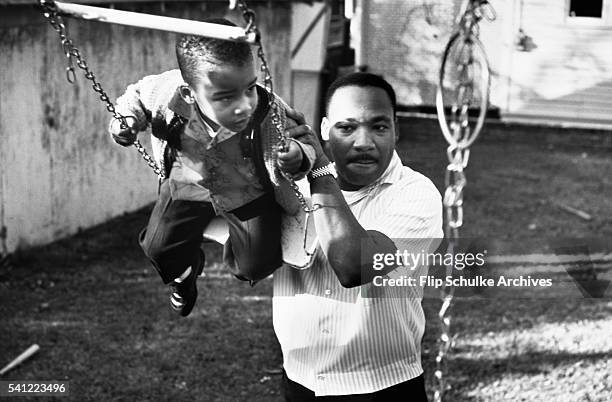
(326, 170)
(321, 161)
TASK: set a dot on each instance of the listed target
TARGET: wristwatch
(329, 169)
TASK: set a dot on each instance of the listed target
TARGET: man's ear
(186, 94)
(325, 127)
(397, 130)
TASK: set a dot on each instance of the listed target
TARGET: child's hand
(291, 160)
(123, 136)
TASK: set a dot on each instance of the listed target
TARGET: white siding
(569, 75)
(404, 40)
(567, 78)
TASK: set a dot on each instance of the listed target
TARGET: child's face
(227, 94)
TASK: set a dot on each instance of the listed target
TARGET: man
(344, 335)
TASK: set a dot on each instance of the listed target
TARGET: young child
(221, 158)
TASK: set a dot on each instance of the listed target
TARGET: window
(586, 8)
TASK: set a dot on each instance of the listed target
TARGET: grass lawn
(101, 316)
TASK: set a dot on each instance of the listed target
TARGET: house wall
(566, 78)
(403, 40)
(308, 61)
(59, 170)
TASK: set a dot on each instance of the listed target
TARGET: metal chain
(71, 51)
(249, 17)
(458, 153)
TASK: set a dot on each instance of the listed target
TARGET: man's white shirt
(339, 341)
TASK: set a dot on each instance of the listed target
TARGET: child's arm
(136, 113)
(297, 160)
(141, 103)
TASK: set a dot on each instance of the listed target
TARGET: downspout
(359, 32)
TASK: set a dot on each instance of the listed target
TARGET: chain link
(249, 17)
(72, 52)
(459, 137)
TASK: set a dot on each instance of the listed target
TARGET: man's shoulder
(409, 207)
(413, 181)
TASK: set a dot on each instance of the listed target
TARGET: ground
(101, 316)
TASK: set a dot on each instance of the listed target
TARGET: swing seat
(298, 253)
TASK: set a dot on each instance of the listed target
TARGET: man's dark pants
(408, 391)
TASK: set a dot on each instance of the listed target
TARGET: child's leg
(255, 242)
(173, 235)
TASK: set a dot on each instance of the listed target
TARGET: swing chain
(249, 17)
(458, 154)
(475, 11)
(71, 51)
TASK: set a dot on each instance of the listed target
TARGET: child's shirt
(221, 161)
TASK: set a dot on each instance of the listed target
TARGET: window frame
(605, 20)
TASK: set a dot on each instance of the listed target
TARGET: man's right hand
(123, 136)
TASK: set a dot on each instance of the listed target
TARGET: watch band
(322, 171)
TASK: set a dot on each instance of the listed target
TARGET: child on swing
(221, 158)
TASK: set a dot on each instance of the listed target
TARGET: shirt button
(327, 292)
(321, 377)
(325, 331)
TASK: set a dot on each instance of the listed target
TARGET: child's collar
(178, 105)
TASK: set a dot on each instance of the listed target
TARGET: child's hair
(197, 53)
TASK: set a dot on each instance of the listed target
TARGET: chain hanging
(72, 52)
(50, 11)
(249, 17)
(460, 137)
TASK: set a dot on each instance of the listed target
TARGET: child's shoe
(185, 293)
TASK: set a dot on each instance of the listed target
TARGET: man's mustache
(362, 158)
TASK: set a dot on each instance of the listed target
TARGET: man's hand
(304, 133)
(123, 136)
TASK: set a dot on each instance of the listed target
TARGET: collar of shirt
(389, 176)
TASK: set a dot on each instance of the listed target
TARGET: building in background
(320, 49)
(59, 172)
(551, 60)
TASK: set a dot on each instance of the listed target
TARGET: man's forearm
(348, 247)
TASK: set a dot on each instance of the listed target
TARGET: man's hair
(360, 79)
(195, 54)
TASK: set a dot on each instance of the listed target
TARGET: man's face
(361, 134)
(227, 94)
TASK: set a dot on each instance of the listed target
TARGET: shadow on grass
(529, 362)
(101, 314)
(532, 370)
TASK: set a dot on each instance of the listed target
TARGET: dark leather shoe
(185, 293)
